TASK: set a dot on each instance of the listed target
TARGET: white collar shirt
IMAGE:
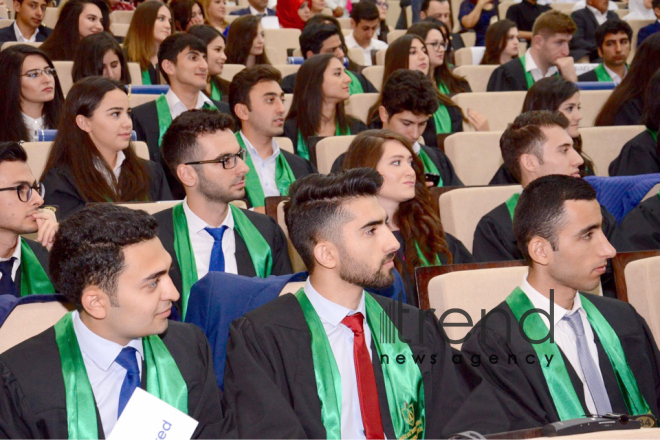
(533, 68)
(265, 168)
(177, 107)
(374, 44)
(21, 39)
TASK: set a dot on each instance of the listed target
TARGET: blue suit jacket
(647, 31)
(246, 11)
(8, 34)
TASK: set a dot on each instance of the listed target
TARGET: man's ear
(169, 67)
(242, 111)
(309, 54)
(600, 52)
(384, 116)
(537, 41)
(528, 163)
(353, 24)
(95, 302)
(326, 255)
(187, 175)
(540, 250)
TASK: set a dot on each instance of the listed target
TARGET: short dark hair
(179, 144)
(655, 4)
(241, 85)
(612, 27)
(364, 11)
(540, 210)
(314, 210)
(525, 136)
(427, 3)
(313, 36)
(88, 248)
(409, 90)
(12, 152)
(173, 45)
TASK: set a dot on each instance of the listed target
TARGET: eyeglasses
(36, 73)
(382, 5)
(228, 161)
(24, 190)
(436, 45)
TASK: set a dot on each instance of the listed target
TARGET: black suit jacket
(588, 76)
(246, 11)
(584, 40)
(638, 156)
(289, 82)
(641, 226)
(8, 34)
(42, 256)
(33, 401)
(525, 383)
(510, 76)
(267, 227)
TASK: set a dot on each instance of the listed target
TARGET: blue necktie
(590, 371)
(127, 358)
(7, 285)
(217, 263)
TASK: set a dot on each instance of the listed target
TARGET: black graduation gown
(8, 34)
(630, 112)
(524, 382)
(641, 227)
(268, 228)
(289, 82)
(503, 177)
(33, 402)
(145, 124)
(61, 190)
(300, 166)
(42, 256)
(431, 137)
(508, 77)
(270, 381)
(638, 156)
(584, 40)
(291, 129)
(589, 76)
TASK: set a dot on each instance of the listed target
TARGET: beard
(214, 192)
(356, 272)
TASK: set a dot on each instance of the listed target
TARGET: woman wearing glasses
(32, 98)
(92, 158)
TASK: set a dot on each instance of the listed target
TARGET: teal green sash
(424, 260)
(556, 375)
(146, 78)
(654, 134)
(216, 93)
(354, 87)
(511, 204)
(602, 74)
(301, 146)
(403, 382)
(441, 117)
(284, 176)
(442, 88)
(165, 117)
(164, 380)
(33, 276)
(429, 166)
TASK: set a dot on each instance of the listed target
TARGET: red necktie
(366, 380)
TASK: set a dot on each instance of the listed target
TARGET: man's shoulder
(262, 222)
(244, 11)
(7, 34)
(181, 336)
(283, 311)
(38, 352)
(164, 217)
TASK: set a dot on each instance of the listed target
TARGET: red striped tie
(366, 381)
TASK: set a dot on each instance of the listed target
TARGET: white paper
(148, 417)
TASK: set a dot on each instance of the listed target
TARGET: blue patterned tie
(127, 358)
(590, 371)
(217, 263)
(7, 285)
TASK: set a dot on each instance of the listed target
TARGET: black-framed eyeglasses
(436, 45)
(36, 73)
(24, 190)
(228, 161)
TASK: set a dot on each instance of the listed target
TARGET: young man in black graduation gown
(182, 61)
(23, 262)
(108, 261)
(641, 226)
(546, 56)
(559, 228)
(613, 42)
(407, 102)
(584, 41)
(257, 103)
(640, 154)
(201, 149)
(272, 369)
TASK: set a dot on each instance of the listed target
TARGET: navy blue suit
(246, 11)
(647, 31)
(8, 34)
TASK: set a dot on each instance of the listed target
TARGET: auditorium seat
(566, 8)
(135, 72)
(229, 70)
(296, 261)
(470, 56)
(276, 54)
(358, 105)
(285, 144)
(636, 25)
(292, 287)
(394, 34)
(50, 17)
(64, 69)
(603, 144)
(6, 44)
(286, 38)
(119, 29)
(286, 69)
(504, 6)
(135, 100)
(345, 22)
(5, 22)
(124, 17)
(469, 38)
(4, 13)
(476, 76)
(462, 208)
(375, 75)
(500, 108)
(329, 149)
(642, 280)
(476, 156)
(356, 54)
(591, 102)
(380, 57)
(151, 207)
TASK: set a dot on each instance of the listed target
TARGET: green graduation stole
(556, 376)
(146, 78)
(33, 276)
(528, 75)
(602, 74)
(441, 117)
(654, 134)
(257, 246)
(216, 94)
(511, 204)
(165, 117)
(354, 87)
(403, 382)
(284, 176)
(429, 166)
(301, 145)
(164, 380)
(424, 260)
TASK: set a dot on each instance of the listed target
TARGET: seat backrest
(135, 100)
(151, 207)
(636, 25)
(603, 144)
(356, 54)
(285, 144)
(229, 70)
(642, 281)
(566, 8)
(475, 292)
(50, 17)
(358, 105)
(134, 70)
(503, 7)
(329, 149)
(7, 44)
(500, 108)
(121, 17)
(287, 69)
(292, 287)
(28, 320)
(286, 38)
(462, 208)
(141, 149)
(476, 76)
(64, 70)
(394, 34)
(296, 261)
(591, 102)
(37, 154)
(5, 22)
(119, 29)
(469, 38)
(463, 57)
(476, 156)
(375, 75)
(4, 13)
(344, 22)
(276, 54)
(380, 57)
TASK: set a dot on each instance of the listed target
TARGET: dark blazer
(300, 166)
(291, 129)
(630, 112)
(510, 76)
(641, 226)
(268, 228)
(42, 256)
(8, 34)
(638, 156)
(525, 383)
(246, 11)
(62, 191)
(289, 82)
(646, 31)
(33, 401)
(588, 76)
(584, 40)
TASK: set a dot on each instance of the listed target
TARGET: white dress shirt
(33, 126)
(615, 78)
(202, 242)
(600, 17)
(563, 333)
(341, 341)
(265, 168)
(21, 39)
(374, 44)
(121, 157)
(177, 107)
(17, 262)
(531, 67)
(105, 375)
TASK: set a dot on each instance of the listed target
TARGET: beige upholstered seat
(380, 57)
(636, 25)
(356, 54)
(121, 17)
(329, 149)
(286, 38)
(476, 76)
(296, 261)
(358, 105)
(64, 69)
(500, 108)
(394, 34)
(642, 281)
(229, 70)
(566, 8)
(50, 17)
(134, 71)
(276, 54)
(141, 149)
(5, 22)
(135, 100)
(375, 75)
(463, 57)
(119, 29)
(469, 38)
(292, 287)
(503, 7)
(462, 208)
(591, 101)
(285, 144)
(151, 207)
(344, 22)
(287, 69)
(7, 44)
(28, 320)
(603, 144)
(476, 156)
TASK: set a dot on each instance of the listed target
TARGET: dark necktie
(366, 380)
(7, 284)
(127, 358)
(260, 16)
(217, 263)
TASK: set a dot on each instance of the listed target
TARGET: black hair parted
(12, 152)
(409, 90)
(314, 210)
(88, 246)
(313, 36)
(612, 27)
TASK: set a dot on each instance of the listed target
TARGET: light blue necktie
(590, 371)
(127, 358)
(217, 263)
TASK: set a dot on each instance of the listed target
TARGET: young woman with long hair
(215, 12)
(100, 55)
(501, 43)
(92, 158)
(246, 42)
(186, 13)
(151, 24)
(412, 212)
(32, 99)
(217, 88)
(318, 103)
